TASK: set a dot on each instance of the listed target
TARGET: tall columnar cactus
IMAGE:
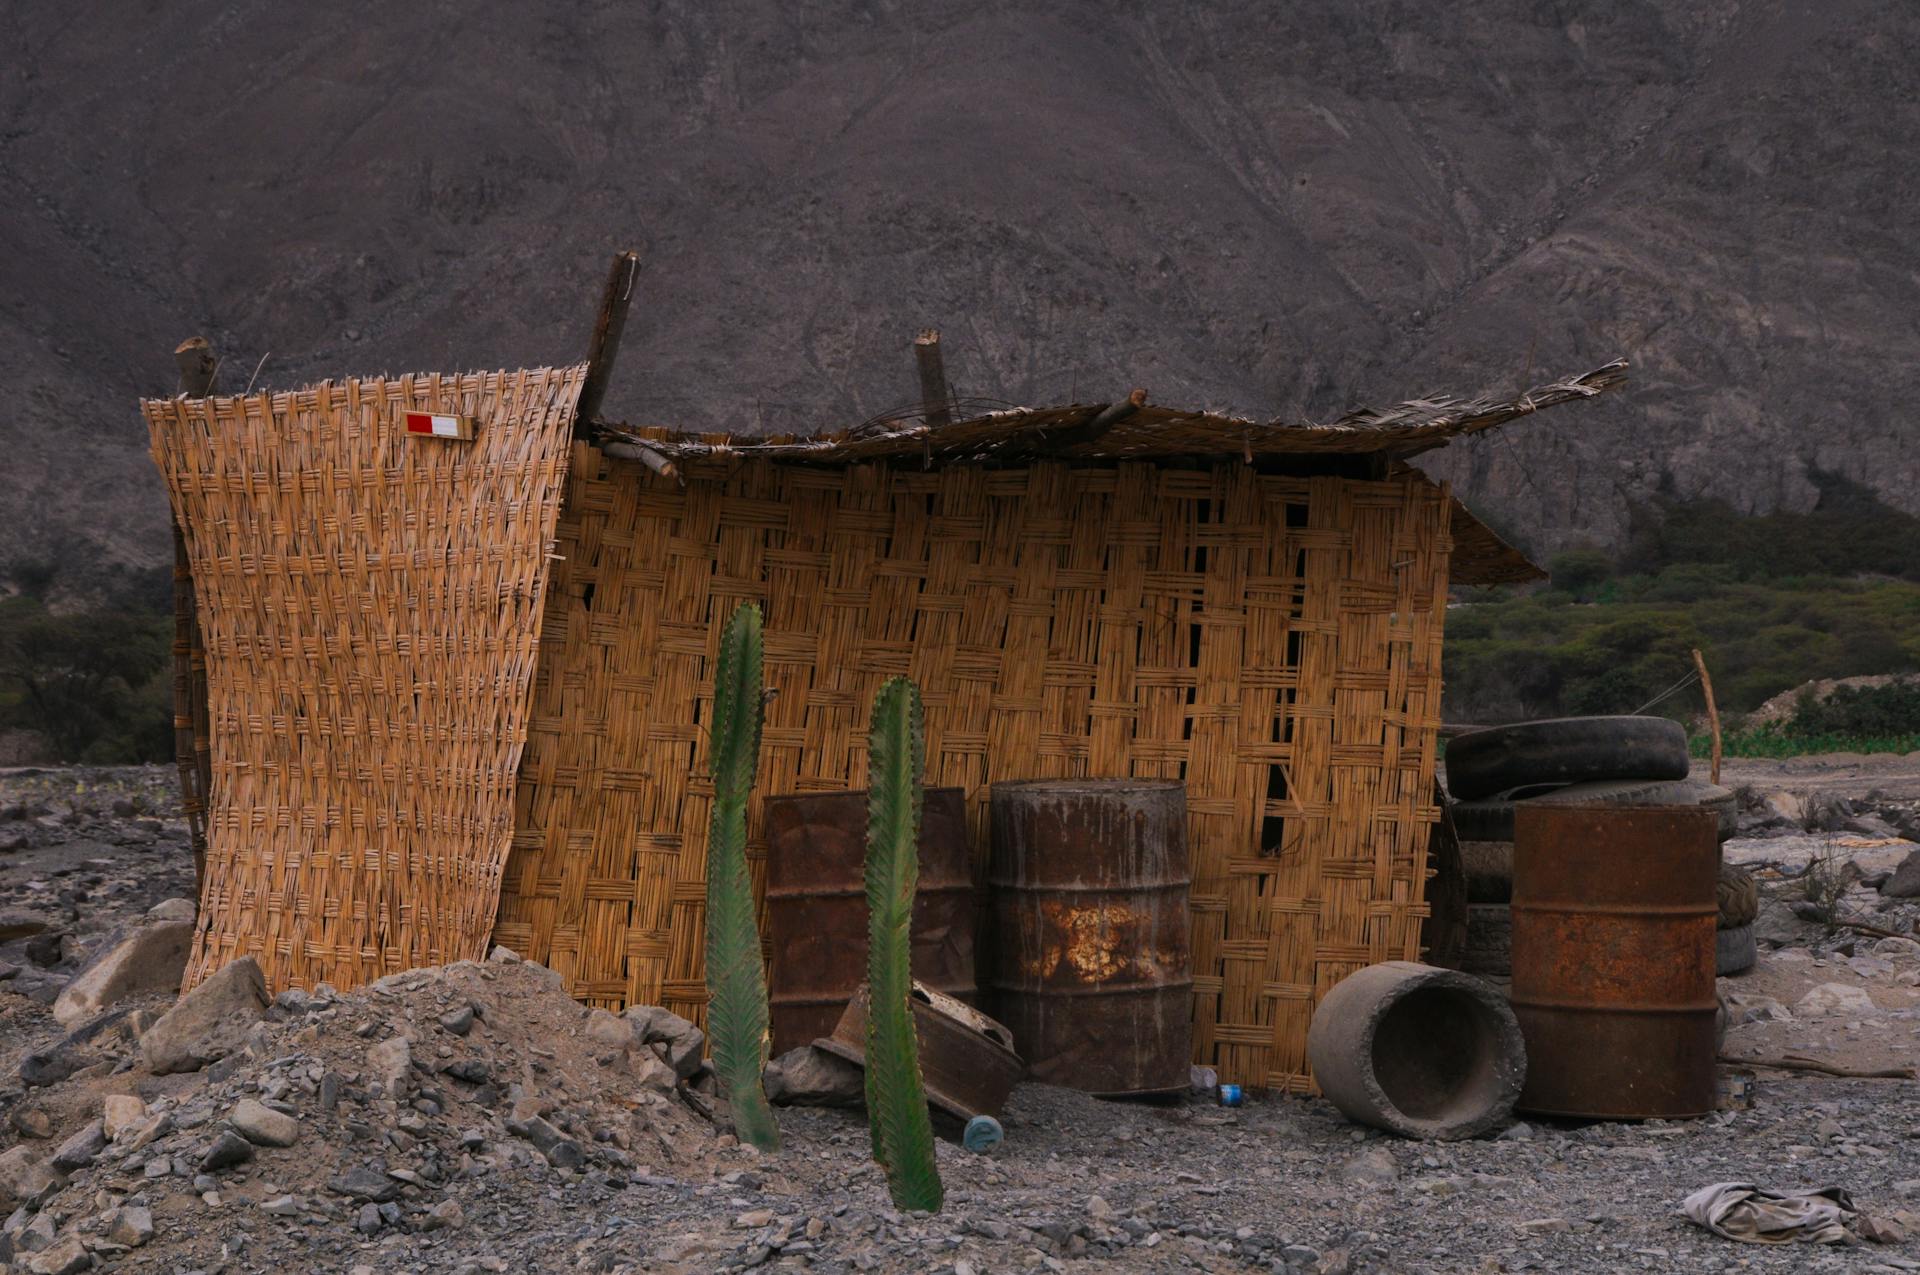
(736, 982)
(896, 1099)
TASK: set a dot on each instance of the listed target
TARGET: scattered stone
(1544, 1226)
(172, 910)
(228, 1149)
(444, 1216)
(1835, 998)
(130, 1225)
(1375, 1165)
(368, 1220)
(809, 1077)
(120, 1112)
(390, 1063)
(459, 1021)
(20, 925)
(31, 1122)
(503, 955)
(47, 950)
(151, 959)
(281, 1206)
(23, 1175)
(1905, 881)
(146, 1132)
(67, 1257)
(209, 1022)
(80, 1150)
(38, 1235)
(682, 1040)
(566, 1154)
(262, 1125)
(365, 1184)
(1518, 1131)
(604, 1028)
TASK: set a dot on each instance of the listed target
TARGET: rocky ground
(473, 1118)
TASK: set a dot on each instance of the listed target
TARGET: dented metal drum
(817, 907)
(1613, 921)
(1091, 964)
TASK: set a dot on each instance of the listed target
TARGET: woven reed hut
(441, 674)
(1255, 608)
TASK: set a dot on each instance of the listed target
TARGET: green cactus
(736, 981)
(896, 1098)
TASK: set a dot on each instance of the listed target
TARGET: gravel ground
(467, 1139)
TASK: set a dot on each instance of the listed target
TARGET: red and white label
(439, 426)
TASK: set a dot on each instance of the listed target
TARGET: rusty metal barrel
(1091, 967)
(817, 907)
(1613, 921)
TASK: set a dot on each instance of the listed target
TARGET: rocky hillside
(1276, 209)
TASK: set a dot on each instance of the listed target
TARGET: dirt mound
(368, 1121)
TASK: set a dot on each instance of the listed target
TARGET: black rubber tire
(1734, 951)
(1564, 750)
(1443, 935)
(1491, 818)
(1738, 896)
(1489, 870)
(1489, 941)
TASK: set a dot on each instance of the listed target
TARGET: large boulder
(209, 1022)
(151, 959)
(23, 1175)
(1905, 881)
(680, 1040)
(809, 1077)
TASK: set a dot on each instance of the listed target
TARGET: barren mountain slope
(1276, 209)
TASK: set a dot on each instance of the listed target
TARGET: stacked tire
(1626, 761)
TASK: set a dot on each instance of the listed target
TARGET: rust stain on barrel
(817, 907)
(1613, 982)
(1092, 968)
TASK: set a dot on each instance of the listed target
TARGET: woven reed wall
(1215, 625)
(370, 604)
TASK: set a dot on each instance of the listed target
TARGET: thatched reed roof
(1118, 431)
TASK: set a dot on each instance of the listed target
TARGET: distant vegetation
(1870, 719)
(95, 684)
(1774, 601)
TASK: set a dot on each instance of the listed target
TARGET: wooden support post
(192, 742)
(935, 402)
(605, 347)
(1713, 710)
(197, 364)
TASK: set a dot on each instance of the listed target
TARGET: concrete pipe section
(1418, 1051)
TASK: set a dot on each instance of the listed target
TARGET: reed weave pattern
(369, 603)
(1275, 641)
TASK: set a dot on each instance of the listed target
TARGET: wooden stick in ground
(933, 378)
(197, 363)
(605, 346)
(1713, 711)
(1793, 1062)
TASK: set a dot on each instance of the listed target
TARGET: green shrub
(95, 684)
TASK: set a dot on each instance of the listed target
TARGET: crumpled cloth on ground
(1744, 1212)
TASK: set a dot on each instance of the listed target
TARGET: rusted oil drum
(1091, 966)
(817, 907)
(1613, 916)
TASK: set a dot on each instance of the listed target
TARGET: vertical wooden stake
(933, 378)
(192, 742)
(1713, 711)
(605, 346)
